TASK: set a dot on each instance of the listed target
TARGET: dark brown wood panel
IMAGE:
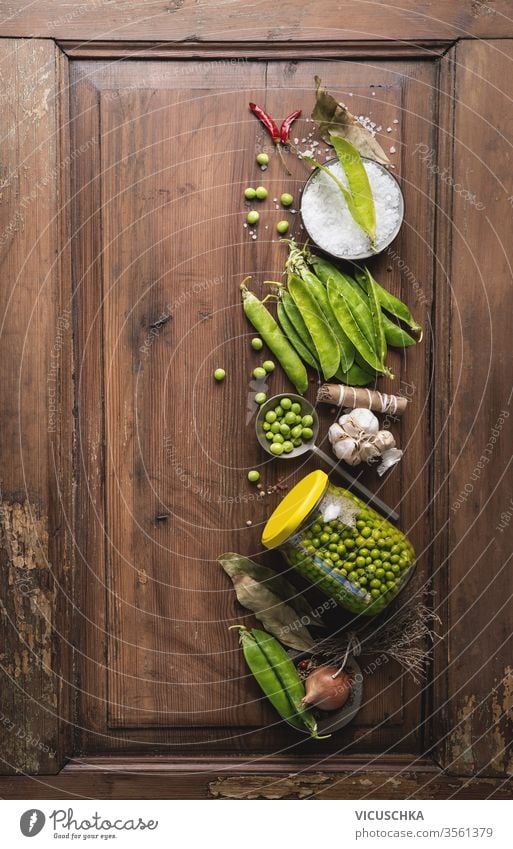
(183, 20)
(479, 426)
(177, 149)
(35, 413)
(156, 778)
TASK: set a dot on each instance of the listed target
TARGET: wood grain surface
(184, 20)
(177, 149)
(35, 413)
(478, 427)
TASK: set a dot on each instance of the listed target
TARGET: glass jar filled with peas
(340, 544)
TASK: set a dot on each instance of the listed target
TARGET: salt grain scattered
(395, 121)
(392, 150)
(329, 222)
(389, 129)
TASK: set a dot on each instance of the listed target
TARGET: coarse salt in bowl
(328, 222)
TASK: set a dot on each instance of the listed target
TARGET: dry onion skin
(327, 688)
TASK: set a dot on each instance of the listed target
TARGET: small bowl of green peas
(286, 426)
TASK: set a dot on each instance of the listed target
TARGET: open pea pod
(324, 339)
(343, 306)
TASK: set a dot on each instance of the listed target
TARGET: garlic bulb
(356, 438)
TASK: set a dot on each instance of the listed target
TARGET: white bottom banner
(245, 825)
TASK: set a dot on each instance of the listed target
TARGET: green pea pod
(356, 376)
(293, 337)
(377, 315)
(396, 307)
(395, 335)
(296, 320)
(324, 270)
(266, 677)
(273, 336)
(346, 347)
(343, 307)
(322, 335)
(355, 208)
(282, 665)
(364, 212)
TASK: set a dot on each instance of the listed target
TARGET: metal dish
(314, 175)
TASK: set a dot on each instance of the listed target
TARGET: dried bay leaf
(277, 617)
(334, 119)
(273, 600)
(238, 564)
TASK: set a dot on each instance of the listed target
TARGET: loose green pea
(296, 432)
(253, 476)
(279, 412)
(285, 429)
(260, 398)
(262, 159)
(259, 373)
(261, 193)
(297, 442)
(276, 448)
(286, 403)
(278, 437)
(288, 446)
(282, 227)
(307, 421)
(257, 344)
(270, 416)
(286, 199)
(269, 435)
(296, 408)
(268, 365)
(249, 193)
(266, 426)
(275, 427)
(219, 374)
(253, 217)
(290, 418)
(307, 433)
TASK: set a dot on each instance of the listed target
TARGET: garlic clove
(346, 449)
(335, 433)
(360, 418)
(369, 452)
(384, 440)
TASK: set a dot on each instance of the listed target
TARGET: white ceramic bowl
(311, 207)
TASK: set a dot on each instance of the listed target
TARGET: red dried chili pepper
(267, 121)
(287, 123)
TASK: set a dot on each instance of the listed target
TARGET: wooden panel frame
(50, 491)
(37, 411)
(94, 81)
(182, 22)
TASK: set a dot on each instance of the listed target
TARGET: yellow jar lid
(294, 509)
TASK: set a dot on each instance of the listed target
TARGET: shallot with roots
(327, 688)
